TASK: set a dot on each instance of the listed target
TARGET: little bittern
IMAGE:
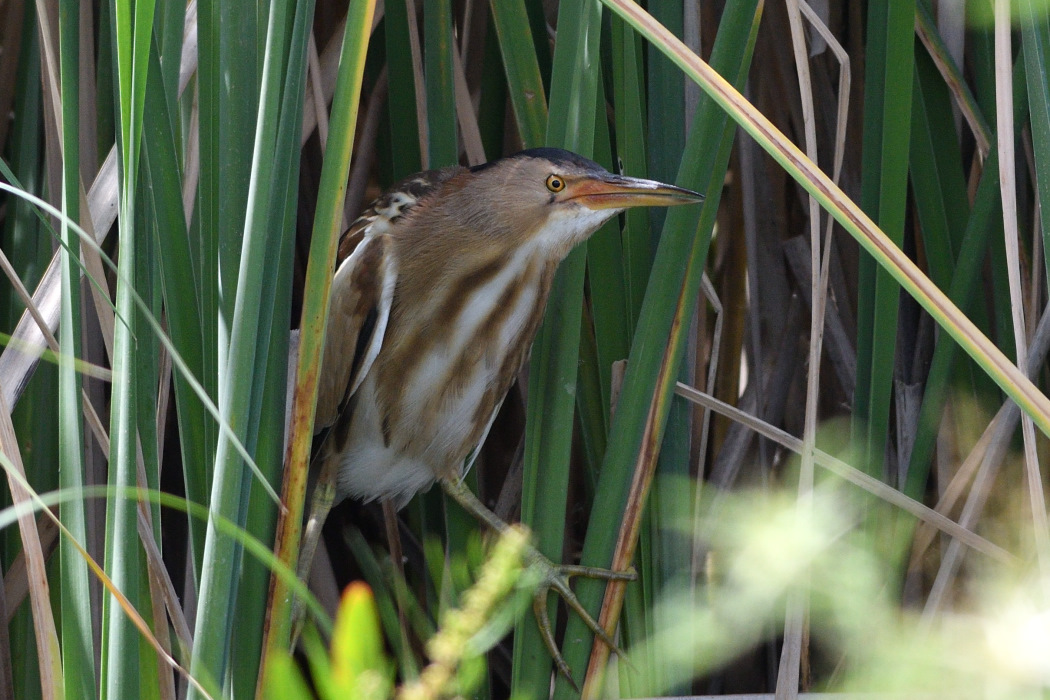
(438, 292)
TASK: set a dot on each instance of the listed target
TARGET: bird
(439, 288)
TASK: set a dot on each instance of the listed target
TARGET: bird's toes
(570, 570)
(556, 577)
(543, 622)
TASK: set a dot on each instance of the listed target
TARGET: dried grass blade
(48, 651)
(1004, 113)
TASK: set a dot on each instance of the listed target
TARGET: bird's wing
(362, 293)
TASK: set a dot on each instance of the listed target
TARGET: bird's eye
(555, 183)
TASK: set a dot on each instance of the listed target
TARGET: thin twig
(1004, 112)
(849, 473)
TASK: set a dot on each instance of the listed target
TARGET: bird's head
(558, 198)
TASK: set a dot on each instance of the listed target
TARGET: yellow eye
(555, 183)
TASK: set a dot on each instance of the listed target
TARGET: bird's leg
(554, 576)
(320, 506)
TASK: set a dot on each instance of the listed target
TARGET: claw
(543, 622)
(557, 577)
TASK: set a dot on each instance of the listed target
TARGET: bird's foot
(555, 577)
(552, 577)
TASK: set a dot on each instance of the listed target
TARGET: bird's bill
(617, 192)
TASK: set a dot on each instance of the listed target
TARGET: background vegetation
(174, 176)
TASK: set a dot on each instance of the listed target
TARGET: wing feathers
(363, 291)
(361, 296)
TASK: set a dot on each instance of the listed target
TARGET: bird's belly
(412, 449)
(403, 438)
(372, 464)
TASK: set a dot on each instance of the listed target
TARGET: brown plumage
(439, 290)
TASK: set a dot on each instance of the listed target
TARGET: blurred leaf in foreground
(995, 643)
